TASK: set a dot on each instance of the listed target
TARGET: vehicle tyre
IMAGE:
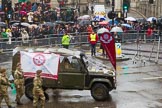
(29, 92)
(99, 92)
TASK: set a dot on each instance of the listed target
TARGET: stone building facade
(147, 9)
(142, 6)
(150, 10)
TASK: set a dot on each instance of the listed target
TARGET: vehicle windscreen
(97, 65)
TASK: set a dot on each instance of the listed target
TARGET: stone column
(54, 3)
(160, 7)
(118, 5)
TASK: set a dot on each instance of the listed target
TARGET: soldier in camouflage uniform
(4, 83)
(38, 92)
(19, 83)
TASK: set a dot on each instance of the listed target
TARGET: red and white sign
(108, 44)
(48, 63)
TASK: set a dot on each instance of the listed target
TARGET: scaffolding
(156, 41)
(138, 56)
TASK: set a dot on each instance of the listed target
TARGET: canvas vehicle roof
(55, 50)
(62, 51)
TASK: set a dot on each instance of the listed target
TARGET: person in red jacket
(149, 31)
(93, 38)
(89, 29)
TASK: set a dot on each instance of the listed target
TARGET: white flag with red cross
(47, 62)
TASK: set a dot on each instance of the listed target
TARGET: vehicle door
(71, 74)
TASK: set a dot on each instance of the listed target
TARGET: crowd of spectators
(57, 30)
(54, 29)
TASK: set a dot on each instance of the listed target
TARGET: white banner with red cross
(47, 62)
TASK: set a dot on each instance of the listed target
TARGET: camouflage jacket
(18, 78)
(37, 83)
(4, 83)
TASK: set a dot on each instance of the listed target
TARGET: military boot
(34, 106)
(10, 106)
(19, 103)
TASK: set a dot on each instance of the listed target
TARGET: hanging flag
(47, 62)
(108, 44)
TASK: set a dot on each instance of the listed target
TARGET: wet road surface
(138, 86)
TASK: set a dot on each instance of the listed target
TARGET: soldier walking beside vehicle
(4, 83)
(19, 83)
(38, 92)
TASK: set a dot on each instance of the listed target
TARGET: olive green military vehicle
(81, 74)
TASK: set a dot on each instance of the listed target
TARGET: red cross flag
(48, 63)
(108, 43)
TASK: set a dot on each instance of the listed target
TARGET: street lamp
(42, 12)
(113, 7)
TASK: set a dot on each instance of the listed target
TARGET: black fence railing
(77, 39)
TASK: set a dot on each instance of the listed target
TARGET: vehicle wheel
(29, 92)
(99, 92)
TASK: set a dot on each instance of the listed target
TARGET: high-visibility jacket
(93, 38)
(65, 40)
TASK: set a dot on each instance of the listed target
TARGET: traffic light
(125, 7)
(9, 7)
(111, 15)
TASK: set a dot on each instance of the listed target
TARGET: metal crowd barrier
(77, 39)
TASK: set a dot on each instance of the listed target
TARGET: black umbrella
(14, 21)
(3, 24)
(84, 22)
(24, 24)
(49, 24)
(60, 22)
(70, 22)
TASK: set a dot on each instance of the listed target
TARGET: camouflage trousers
(19, 92)
(6, 97)
(38, 95)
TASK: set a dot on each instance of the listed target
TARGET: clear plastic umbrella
(130, 19)
(102, 30)
(3, 24)
(33, 25)
(21, 24)
(84, 17)
(116, 29)
(126, 25)
(103, 23)
(151, 19)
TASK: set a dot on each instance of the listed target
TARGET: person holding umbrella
(9, 35)
(30, 17)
